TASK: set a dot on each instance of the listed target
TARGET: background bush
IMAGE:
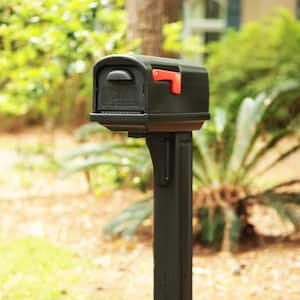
(47, 49)
(258, 58)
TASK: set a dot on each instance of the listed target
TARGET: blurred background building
(210, 18)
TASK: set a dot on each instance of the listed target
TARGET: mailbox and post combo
(163, 100)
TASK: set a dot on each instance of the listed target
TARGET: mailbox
(141, 94)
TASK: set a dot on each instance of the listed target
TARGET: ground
(47, 217)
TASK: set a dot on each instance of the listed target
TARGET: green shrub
(259, 57)
(174, 43)
(47, 49)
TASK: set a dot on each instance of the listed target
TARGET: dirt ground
(45, 205)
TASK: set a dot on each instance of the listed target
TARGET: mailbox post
(162, 100)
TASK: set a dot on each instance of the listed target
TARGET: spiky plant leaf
(249, 116)
(279, 159)
(128, 221)
(86, 130)
(202, 147)
(212, 225)
(270, 197)
(220, 120)
(199, 173)
(286, 204)
(286, 212)
(281, 185)
(289, 86)
(99, 149)
(85, 150)
(279, 136)
(206, 228)
(138, 157)
(235, 229)
(219, 225)
(87, 164)
(249, 119)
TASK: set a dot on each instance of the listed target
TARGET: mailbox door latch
(172, 76)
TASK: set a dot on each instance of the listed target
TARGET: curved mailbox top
(145, 62)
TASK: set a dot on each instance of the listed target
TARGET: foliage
(133, 166)
(83, 133)
(228, 159)
(232, 155)
(212, 225)
(129, 156)
(47, 49)
(286, 204)
(174, 42)
(32, 268)
(257, 58)
(128, 221)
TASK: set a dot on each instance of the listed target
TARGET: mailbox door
(119, 89)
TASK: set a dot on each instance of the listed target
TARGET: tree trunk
(146, 19)
(172, 10)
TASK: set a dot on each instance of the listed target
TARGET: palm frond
(235, 228)
(267, 147)
(199, 173)
(128, 221)
(204, 153)
(250, 116)
(287, 87)
(87, 164)
(281, 185)
(212, 225)
(92, 150)
(248, 119)
(86, 130)
(286, 204)
(220, 120)
(132, 155)
(283, 156)
(284, 198)
(286, 212)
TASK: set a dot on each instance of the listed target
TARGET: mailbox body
(128, 97)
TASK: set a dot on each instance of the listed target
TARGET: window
(205, 18)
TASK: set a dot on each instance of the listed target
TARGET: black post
(172, 162)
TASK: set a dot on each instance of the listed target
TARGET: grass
(34, 269)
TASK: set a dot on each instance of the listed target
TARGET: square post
(172, 162)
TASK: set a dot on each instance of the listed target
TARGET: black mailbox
(143, 94)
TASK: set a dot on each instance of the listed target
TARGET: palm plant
(227, 164)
